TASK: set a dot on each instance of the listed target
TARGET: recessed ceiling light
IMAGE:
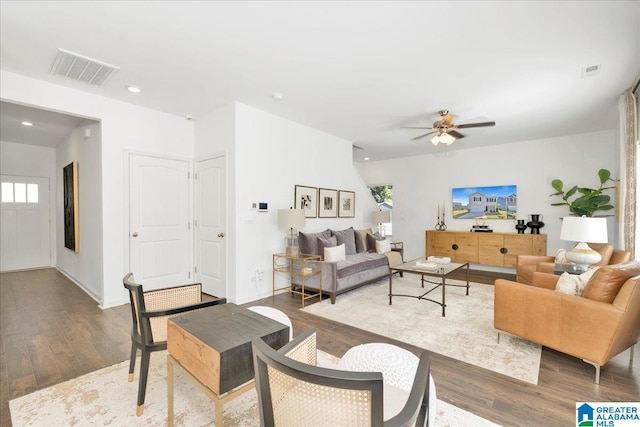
(277, 96)
(366, 158)
(27, 124)
(134, 89)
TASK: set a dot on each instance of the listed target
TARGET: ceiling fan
(446, 130)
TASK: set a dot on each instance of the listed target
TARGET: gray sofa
(361, 266)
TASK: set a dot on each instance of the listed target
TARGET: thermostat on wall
(263, 207)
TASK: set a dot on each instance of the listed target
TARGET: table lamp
(584, 229)
(291, 219)
(381, 218)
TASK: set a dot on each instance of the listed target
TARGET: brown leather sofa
(526, 265)
(595, 327)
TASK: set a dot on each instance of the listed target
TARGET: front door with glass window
(25, 232)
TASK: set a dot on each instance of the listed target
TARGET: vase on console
(521, 226)
(535, 223)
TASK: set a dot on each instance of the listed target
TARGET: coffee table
(442, 272)
(212, 346)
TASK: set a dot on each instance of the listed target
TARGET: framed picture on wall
(306, 198)
(327, 203)
(346, 204)
(490, 202)
(70, 206)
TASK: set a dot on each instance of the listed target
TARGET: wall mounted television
(491, 202)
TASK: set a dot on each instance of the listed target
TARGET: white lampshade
(291, 218)
(381, 217)
(584, 229)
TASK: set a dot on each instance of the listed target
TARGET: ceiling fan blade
(422, 136)
(455, 134)
(476, 125)
(416, 127)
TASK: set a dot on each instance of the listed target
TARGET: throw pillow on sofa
(348, 238)
(371, 241)
(326, 243)
(308, 242)
(383, 246)
(334, 254)
(574, 284)
(607, 281)
(359, 243)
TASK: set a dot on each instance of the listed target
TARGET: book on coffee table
(427, 265)
(439, 259)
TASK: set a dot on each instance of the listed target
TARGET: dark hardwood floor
(51, 331)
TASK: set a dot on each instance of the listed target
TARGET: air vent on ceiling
(81, 68)
(590, 71)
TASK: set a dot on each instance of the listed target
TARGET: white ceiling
(49, 127)
(358, 70)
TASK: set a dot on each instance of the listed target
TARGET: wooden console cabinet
(499, 249)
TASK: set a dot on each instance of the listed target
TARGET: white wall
(31, 160)
(271, 156)
(124, 127)
(421, 182)
(215, 134)
(84, 267)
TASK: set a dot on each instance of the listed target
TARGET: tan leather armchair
(594, 327)
(526, 265)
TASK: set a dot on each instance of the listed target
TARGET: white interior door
(25, 226)
(159, 226)
(210, 223)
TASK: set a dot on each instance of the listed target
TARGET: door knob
(135, 234)
(220, 235)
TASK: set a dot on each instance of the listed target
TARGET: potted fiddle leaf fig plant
(587, 200)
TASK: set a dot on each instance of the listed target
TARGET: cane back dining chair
(150, 311)
(292, 391)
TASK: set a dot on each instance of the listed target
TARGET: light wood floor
(51, 331)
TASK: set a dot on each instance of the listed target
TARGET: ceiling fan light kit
(446, 129)
(443, 138)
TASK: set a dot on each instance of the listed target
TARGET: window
(19, 192)
(383, 195)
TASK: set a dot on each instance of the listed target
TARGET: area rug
(466, 333)
(105, 398)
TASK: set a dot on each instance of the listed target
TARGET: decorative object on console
(589, 201)
(481, 226)
(291, 219)
(346, 204)
(306, 198)
(535, 223)
(440, 225)
(521, 226)
(381, 218)
(584, 229)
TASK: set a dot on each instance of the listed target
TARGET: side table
(299, 266)
(558, 269)
(212, 347)
(398, 247)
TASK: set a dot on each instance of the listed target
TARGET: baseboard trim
(79, 284)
